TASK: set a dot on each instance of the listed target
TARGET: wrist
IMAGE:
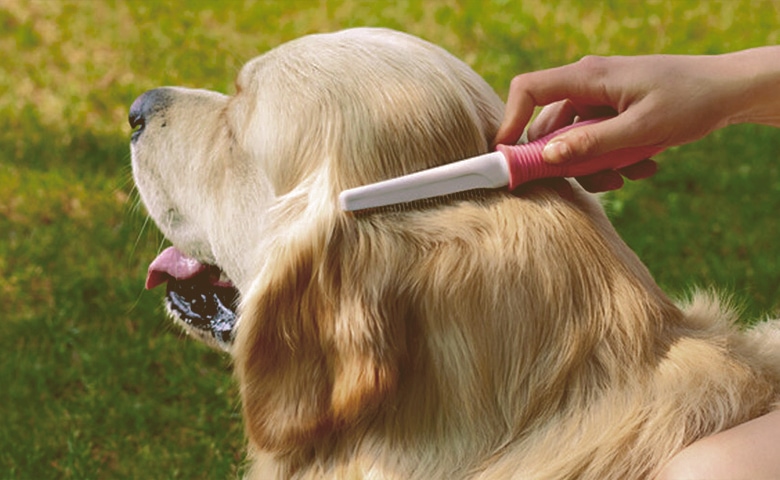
(756, 77)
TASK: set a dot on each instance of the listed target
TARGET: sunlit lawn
(96, 384)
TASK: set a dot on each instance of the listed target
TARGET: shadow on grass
(97, 383)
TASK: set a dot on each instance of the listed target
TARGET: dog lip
(197, 295)
(205, 307)
(173, 264)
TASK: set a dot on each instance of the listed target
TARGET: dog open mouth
(197, 296)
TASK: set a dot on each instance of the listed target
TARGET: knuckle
(584, 143)
(594, 75)
(593, 64)
(522, 92)
(522, 86)
(517, 84)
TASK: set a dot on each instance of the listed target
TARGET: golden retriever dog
(502, 335)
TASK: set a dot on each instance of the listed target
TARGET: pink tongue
(171, 263)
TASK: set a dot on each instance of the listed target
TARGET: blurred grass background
(96, 384)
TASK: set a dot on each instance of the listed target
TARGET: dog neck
(461, 333)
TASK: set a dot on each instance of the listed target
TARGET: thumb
(592, 140)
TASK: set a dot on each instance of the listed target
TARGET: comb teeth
(489, 171)
(425, 203)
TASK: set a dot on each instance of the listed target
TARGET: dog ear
(316, 350)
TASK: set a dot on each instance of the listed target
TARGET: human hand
(658, 100)
(559, 115)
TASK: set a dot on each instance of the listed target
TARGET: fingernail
(556, 152)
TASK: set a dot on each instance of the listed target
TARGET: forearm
(757, 72)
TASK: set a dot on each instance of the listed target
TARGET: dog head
(341, 315)
(245, 187)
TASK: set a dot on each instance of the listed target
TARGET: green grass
(97, 384)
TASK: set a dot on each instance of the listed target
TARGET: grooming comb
(509, 166)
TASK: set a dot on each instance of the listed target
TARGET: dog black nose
(145, 107)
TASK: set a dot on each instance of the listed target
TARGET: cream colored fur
(499, 337)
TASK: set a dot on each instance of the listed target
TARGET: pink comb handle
(525, 161)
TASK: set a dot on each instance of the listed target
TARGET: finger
(520, 106)
(601, 181)
(562, 114)
(543, 87)
(613, 179)
(595, 139)
(552, 117)
(640, 170)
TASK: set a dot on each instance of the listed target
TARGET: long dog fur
(503, 336)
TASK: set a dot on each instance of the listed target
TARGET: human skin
(659, 100)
